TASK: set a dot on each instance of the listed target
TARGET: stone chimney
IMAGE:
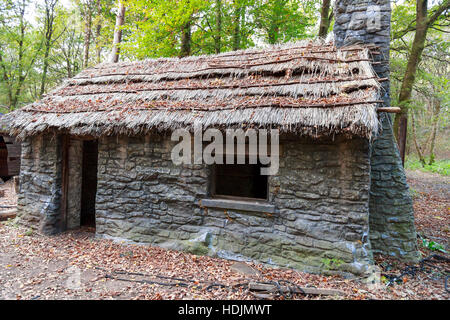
(366, 21)
(391, 223)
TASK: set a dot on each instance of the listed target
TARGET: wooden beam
(64, 179)
(389, 109)
(237, 204)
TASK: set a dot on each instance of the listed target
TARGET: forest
(44, 42)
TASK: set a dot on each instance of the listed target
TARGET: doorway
(89, 183)
(3, 159)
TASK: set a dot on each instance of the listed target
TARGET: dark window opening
(239, 180)
(89, 183)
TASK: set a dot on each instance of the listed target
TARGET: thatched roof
(307, 87)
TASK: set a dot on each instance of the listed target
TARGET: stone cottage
(97, 151)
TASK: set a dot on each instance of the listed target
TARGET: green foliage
(284, 20)
(441, 166)
(157, 25)
(433, 246)
(20, 44)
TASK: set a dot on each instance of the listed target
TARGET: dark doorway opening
(89, 183)
(3, 159)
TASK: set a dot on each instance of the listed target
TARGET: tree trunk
(324, 18)
(118, 33)
(186, 40)
(6, 81)
(98, 29)
(237, 26)
(218, 37)
(16, 94)
(436, 112)
(45, 68)
(416, 144)
(401, 119)
(49, 19)
(87, 33)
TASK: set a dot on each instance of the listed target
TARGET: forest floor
(76, 265)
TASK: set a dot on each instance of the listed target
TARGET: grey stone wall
(321, 194)
(39, 200)
(392, 229)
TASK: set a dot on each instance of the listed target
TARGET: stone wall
(321, 195)
(392, 229)
(39, 200)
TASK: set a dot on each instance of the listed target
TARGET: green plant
(433, 246)
(332, 263)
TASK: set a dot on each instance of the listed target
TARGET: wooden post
(389, 109)
(64, 180)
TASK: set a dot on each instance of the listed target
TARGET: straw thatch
(308, 87)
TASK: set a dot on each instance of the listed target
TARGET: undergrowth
(441, 167)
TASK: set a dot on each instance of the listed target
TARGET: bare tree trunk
(218, 37)
(416, 144)
(87, 33)
(436, 112)
(237, 26)
(118, 33)
(325, 18)
(49, 28)
(45, 68)
(6, 81)
(186, 40)
(15, 96)
(98, 29)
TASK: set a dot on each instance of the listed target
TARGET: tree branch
(437, 13)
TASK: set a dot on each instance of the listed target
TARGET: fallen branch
(8, 214)
(253, 286)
